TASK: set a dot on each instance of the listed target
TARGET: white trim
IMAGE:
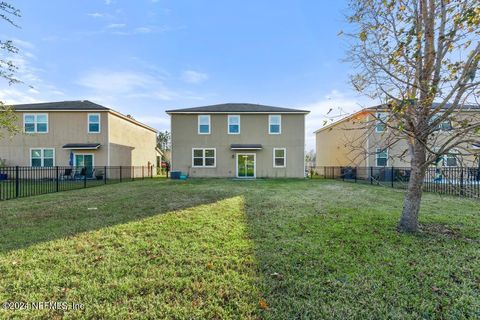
(203, 158)
(99, 123)
(83, 154)
(270, 123)
(284, 157)
(254, 165)
(228, 123)
(209, 124)
(35, 122)
(42, 158)
(377, 151)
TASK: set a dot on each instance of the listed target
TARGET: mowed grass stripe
(193, 263)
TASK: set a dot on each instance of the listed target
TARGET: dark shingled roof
(79, 105)
(237, 108)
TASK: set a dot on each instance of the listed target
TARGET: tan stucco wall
(343, 144)
(63, 128)
(253, 130)
(130, 144)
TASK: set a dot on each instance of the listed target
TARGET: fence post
(393, 175)
(356, 172)
(17, 182)
(120, 173)
(462, 186)
(57, 179)
(371, 175)
(143, 172)
(151, 172)
(325, 172)
(342, 173)
(85, 178)
(105, 175)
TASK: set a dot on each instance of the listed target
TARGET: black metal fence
(461, 181)
(17, 182)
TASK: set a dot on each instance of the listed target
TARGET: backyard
(273, 249)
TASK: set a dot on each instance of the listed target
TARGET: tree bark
(413, 197)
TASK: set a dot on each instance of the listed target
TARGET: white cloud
(34, 88)
(155, 121)
(116, 25)
(126, 84)
(96, 15)
(108, 2)
(191, 76)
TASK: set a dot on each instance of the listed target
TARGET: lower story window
(381, 157)
(204, 157)
(42, 157)
(279, 157)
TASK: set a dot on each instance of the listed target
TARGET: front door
(85, 161)
(246, 165)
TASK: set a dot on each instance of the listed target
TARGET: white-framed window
(35, 123)
(274, 124)
(380, 125)
(233, 124)
(445, 125)
(204, 124)
(204, 157)
(42, 157)
(94, 125)
(279, 157)
(381, 157)
(451, 159)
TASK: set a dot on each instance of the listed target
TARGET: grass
(273, 249)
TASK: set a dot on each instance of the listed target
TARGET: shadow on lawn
(37, 219)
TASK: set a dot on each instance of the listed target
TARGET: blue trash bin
(175, 175)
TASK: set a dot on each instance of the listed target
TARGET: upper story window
(275, 124)
(35, 123)
(380, 125)
(445, 125)
(42, 157)
(204, 124)
(381, 157)
(279, 157)
(233, 124)
(94, 123)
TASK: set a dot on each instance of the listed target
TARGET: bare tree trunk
(413, 197)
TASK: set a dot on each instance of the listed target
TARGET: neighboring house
(238, 140)
(353, 142)
(77, 133)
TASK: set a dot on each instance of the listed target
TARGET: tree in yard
(164, 140)
(420, 58)
(8, 69)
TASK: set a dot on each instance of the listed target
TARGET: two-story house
(238, 140)
(77, 133)
(363, 140)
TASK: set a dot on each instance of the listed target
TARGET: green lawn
(274, 249)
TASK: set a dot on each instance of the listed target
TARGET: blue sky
(143, 57)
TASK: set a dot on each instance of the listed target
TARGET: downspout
(108, 139)
(368, 147)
